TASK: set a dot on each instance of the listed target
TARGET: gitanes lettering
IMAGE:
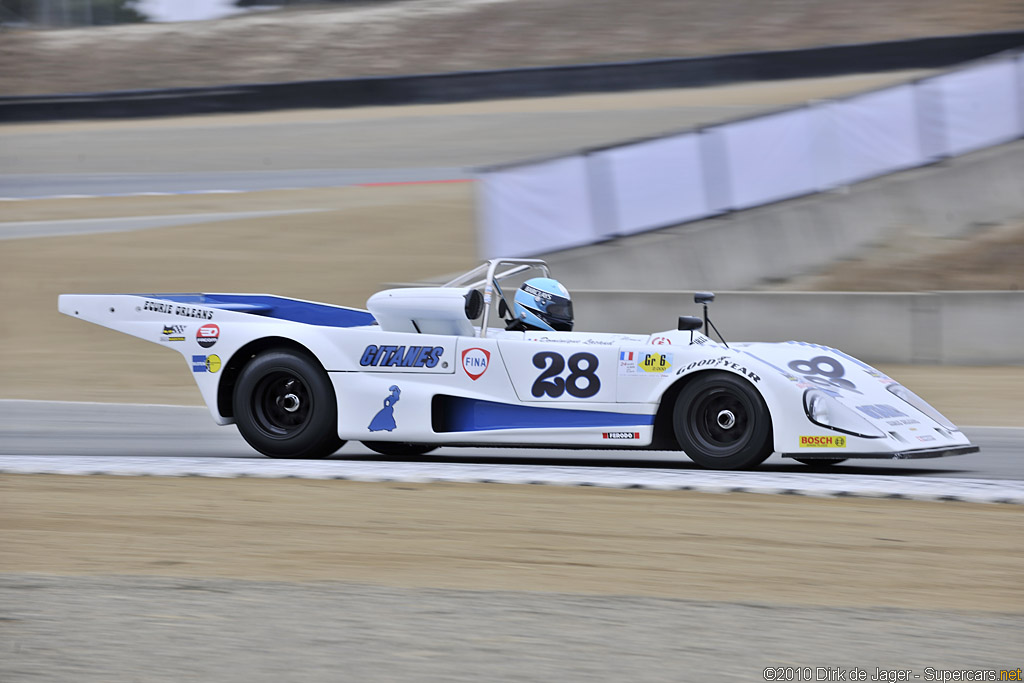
(401, 356)
(167, 307)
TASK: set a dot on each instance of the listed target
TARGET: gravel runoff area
(420, 36)
(102, 629)
(161, 579)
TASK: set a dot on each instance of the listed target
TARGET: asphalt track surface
(126, 430)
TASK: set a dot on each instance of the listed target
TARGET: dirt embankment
(420, 36)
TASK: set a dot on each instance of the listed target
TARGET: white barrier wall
(547, 206)
(654, 183)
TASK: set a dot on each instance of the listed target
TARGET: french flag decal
(625, 355)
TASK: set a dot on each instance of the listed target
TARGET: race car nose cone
(726, 420)
(289, 402)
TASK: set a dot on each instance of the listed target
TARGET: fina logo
(475, 361)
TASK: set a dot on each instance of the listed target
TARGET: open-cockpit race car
(425, 367)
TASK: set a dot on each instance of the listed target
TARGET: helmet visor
(561, 310)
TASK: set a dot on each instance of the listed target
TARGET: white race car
(422, 368)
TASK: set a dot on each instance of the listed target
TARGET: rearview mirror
(703, 297)
(689, 323)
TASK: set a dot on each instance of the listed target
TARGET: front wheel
(285, 407)
(722, 423)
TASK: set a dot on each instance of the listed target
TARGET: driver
(542, 304)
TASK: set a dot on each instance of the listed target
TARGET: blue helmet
(544, 304)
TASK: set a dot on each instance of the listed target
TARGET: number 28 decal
(582, 381)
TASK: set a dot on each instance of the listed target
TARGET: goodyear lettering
(401, 356)
(167, 307)
(822, 442)
(721, 362)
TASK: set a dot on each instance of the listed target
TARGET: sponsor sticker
(656, 363)
(173, 333)
(201, 363)
(627, 436)
(401, 356)
(822, 442)
(207, 335)
(644, 363)
(660, 341)
(721, 362)
(475, 362)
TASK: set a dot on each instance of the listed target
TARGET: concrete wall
(950, 328)
(747, 248)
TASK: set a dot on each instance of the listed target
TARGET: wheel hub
(289, 402)
(726, 419)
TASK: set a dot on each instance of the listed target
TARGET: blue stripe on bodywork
(275, 307)
(456, 414)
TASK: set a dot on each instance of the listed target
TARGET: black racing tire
(399, 448)
(285, 407)
(820, 463)
(722, 423)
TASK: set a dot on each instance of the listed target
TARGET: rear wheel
(721, 422)
(285, 407)
(399, 448)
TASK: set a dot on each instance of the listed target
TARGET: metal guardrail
(934, 52)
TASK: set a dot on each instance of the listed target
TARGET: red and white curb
(803, 484)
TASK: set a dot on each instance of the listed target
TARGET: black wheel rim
(721, 421)
(282, 404)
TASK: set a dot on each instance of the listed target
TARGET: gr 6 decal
(656, 362)
(582, 381)
(830, 370)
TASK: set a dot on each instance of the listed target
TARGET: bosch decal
(475, 362)
(167, 307)
(207, 335)
(660, 341)
(401, 356)
(822, 442)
